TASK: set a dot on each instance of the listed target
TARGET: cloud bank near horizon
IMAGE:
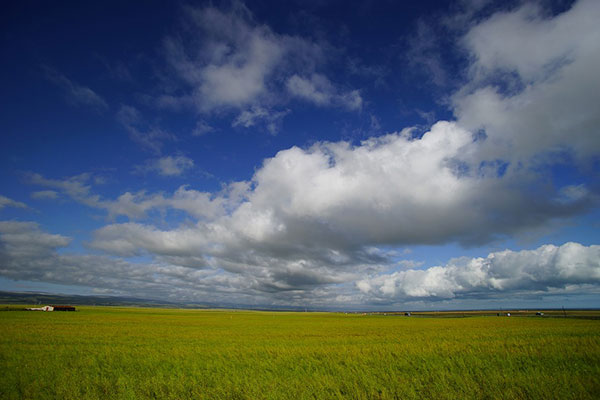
(31, 254)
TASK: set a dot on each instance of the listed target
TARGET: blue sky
(312, 154)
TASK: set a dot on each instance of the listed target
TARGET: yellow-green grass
(590, 314)
(137, 353)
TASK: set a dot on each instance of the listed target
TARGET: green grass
(135, 353)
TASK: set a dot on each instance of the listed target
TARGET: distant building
(52, 308)
(45, 308)
(64, 308)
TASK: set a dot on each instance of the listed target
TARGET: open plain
(136, 353)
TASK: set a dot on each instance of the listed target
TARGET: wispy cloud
(147, 135)
(253, 116)
(424, 54)
(319, 90)
(202, 128)
(168, 165)
(6, 202)
(75, 93)
(136, 205)
(44, 194)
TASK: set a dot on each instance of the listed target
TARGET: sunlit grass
(131, 353)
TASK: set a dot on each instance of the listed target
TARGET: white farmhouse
(45, 308)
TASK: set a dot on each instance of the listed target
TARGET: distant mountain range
(33, 298)
(51, 298)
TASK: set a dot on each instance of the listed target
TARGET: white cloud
(235, 60)
(544, 269)
(6, 202)
(227, 61)
(398, 190)
(136, 205)
(538, 95)
(185, 241)
(26, 240)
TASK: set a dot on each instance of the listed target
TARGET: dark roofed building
(64, 308)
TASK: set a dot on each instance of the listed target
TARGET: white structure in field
(45, 308)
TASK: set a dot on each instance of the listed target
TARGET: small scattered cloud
(173, 165)
(409, 264)
(76, 187)
(375, 125)
(135, 205)
(427, 116)
(6, 202)
(423, 54)
(271, 120)
(117, 69)
(145, 134)
(168, 165)
(319, 90)
(202, 128)
(76, 94)
(44, 194)
(374, 73)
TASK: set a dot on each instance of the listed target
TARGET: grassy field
(136, 353)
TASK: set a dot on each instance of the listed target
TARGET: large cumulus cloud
(319, 216)
(332, 203)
